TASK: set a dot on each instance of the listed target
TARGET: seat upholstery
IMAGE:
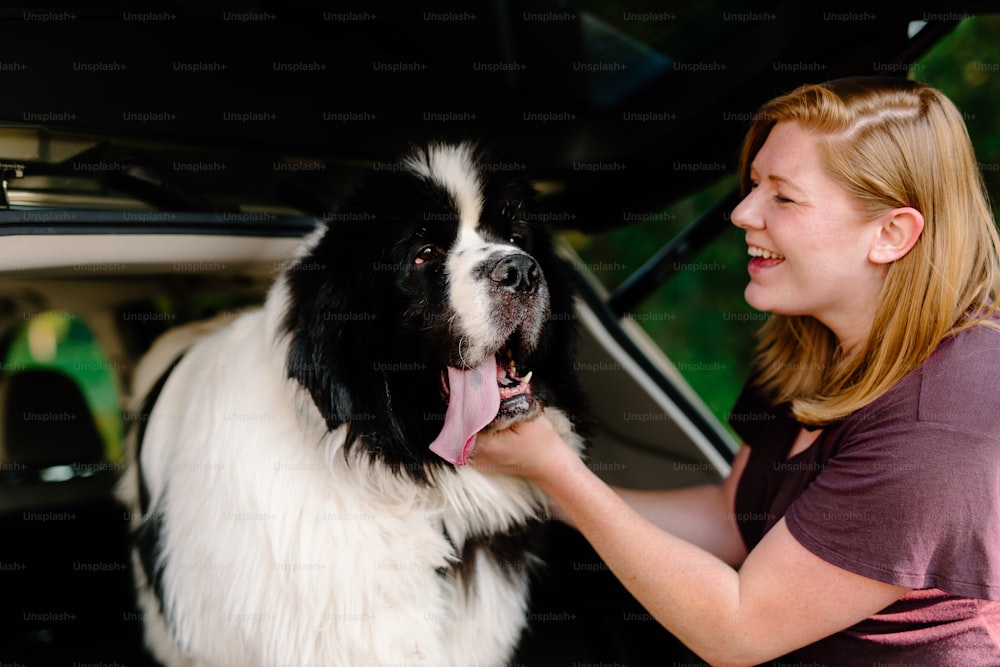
(45, 421)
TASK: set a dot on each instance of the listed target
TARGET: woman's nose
(746, 214)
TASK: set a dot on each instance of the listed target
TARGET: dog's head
(433, 305)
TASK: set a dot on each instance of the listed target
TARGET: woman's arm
(782, 598)
(703, 515)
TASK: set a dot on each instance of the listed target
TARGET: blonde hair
(890, 143)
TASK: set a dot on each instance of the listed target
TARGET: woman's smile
(762, 259)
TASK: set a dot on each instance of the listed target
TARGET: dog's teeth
(527, 378)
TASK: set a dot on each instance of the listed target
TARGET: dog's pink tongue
(473, 402)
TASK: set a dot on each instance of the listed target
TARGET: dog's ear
(329, 319)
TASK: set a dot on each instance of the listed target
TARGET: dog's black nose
(517, 273)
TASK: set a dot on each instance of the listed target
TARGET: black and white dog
(297, 483)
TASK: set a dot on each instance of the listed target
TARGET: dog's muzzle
(496, 391)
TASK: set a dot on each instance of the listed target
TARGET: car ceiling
(605, 122)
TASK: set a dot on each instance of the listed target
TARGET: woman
(864, 515)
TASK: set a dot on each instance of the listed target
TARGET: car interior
(176, 184)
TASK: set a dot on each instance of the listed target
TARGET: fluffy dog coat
(286, 505)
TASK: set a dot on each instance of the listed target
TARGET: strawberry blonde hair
(889, 143)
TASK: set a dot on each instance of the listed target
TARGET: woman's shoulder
(965, 363)
(957, 384)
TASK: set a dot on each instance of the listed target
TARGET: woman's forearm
(681, 585)
(701, 515)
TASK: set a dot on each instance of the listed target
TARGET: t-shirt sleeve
(907, 501)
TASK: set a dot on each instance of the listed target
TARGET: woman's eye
(782, 200)
(427, 254)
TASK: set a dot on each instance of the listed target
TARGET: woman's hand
(530, 449)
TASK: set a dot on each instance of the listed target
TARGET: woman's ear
(898, 231)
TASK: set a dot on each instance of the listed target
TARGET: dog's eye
(517, 239)
(426, 254)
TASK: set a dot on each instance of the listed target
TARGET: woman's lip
(759, 264)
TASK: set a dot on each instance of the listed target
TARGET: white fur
(470, 299)
(451, 167)
(278, 551)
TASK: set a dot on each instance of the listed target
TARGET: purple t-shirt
(904, 491)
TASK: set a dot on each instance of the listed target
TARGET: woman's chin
(758, 299)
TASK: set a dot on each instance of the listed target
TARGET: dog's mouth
(517, 400)
(476, 404)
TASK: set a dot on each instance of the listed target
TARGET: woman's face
(808, 242)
